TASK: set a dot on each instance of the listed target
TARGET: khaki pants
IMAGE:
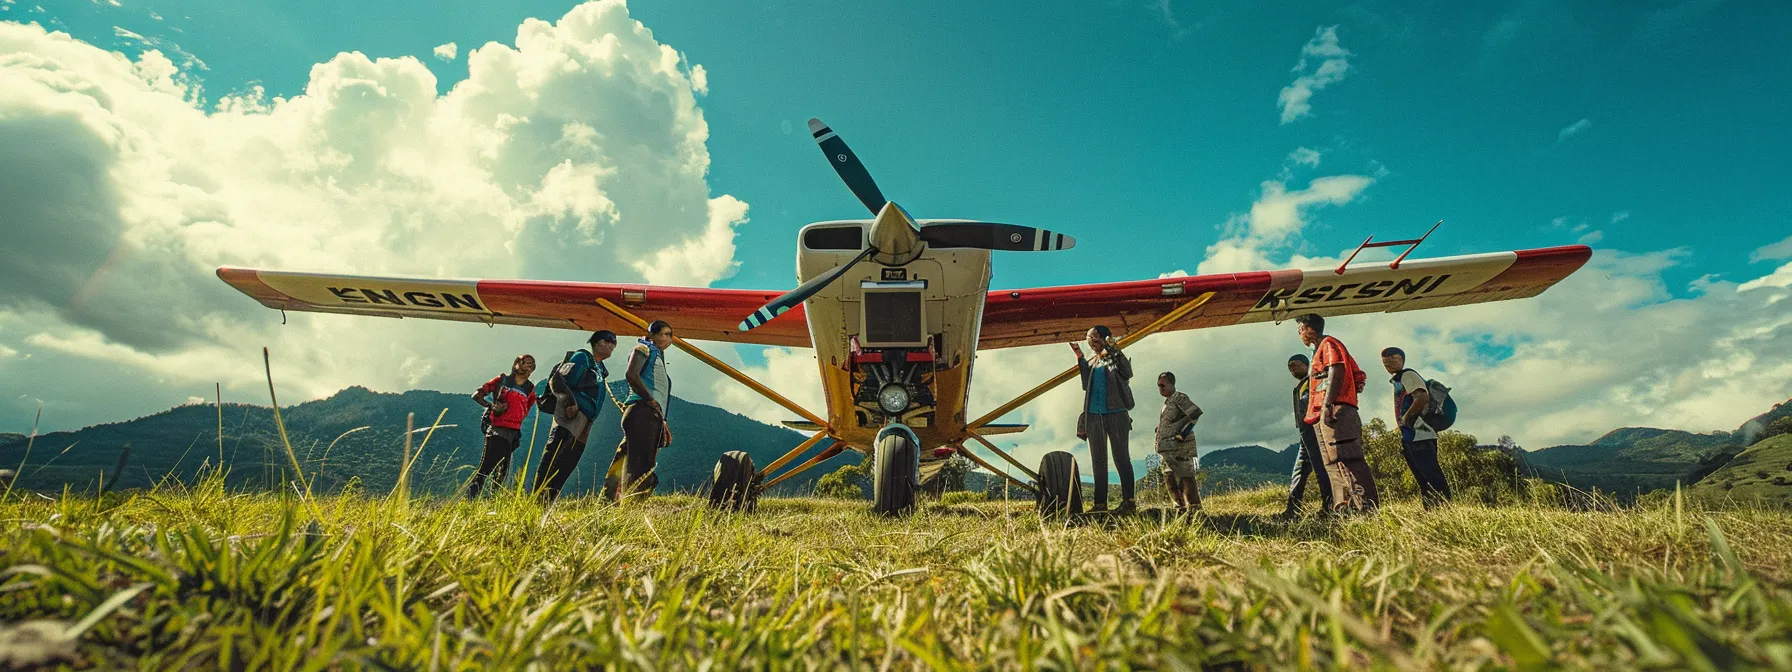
(1341, 446)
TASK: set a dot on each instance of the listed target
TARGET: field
(203, 577)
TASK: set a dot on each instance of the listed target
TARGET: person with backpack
(1307, 462)
(575, 393)
(512, 397)
(645, 428)
(1332, 410)
(1418, 439)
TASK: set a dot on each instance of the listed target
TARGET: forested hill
(1641, 459)
(177, 442)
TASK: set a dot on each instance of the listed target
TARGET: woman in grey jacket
(1106, 420)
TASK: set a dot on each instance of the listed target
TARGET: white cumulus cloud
(1277, 216)
(1322, 63)
(578, 151)
(448, 51)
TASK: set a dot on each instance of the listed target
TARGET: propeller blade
(990, 236)
(847, 165)
(795, 297)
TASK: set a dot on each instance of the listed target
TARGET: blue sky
(1155, 133)
(1120, 125)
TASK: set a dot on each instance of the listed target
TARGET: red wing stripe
(697, 313)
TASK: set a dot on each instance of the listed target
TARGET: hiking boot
(1127, 507)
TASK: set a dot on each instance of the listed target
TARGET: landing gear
(733, 489)
(1060, 485)
(898, 464)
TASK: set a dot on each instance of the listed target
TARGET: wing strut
(1147, 330)
(998, 451)
(755, 386)
(716, 364)
(798, 450)
(831, 451)
(1029, 487)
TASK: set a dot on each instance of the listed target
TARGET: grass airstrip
(198, 576)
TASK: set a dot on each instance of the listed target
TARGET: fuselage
(933, 302)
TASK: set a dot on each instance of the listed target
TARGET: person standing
(1307, 462)
(1107, 417)
(578, 386)
(644, 426)
(1418, 443)
(512, 396)
(1332, 410)
(1176, 443)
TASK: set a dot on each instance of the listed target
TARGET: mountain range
(357, 437)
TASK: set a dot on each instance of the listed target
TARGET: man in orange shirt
(1331, 409)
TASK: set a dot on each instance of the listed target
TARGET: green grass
(207, 578)
(1760, 475)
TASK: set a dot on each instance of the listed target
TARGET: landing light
(893, 398)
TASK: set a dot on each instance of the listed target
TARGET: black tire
(1060, 485)
(733, 487)
(898, 463)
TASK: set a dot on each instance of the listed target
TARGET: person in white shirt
(1418, 443)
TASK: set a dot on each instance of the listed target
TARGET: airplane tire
(898, 462)
(1060, 485)
(733, 486)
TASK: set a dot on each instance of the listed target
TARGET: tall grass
(198, 576)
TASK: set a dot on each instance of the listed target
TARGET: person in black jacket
(579, 389)
(1306, 456)
(1107, 417)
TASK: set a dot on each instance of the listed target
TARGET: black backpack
(1440, 408)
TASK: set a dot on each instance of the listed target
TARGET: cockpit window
(835, 238)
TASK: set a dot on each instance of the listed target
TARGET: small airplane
(895, 339)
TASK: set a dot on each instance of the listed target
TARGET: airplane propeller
(895, 237)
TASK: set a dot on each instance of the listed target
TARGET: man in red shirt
(1331, 409)
(512, 397)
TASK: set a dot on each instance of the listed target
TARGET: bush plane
(896, 310)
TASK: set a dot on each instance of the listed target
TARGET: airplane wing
(1017, 317)
(696, 313)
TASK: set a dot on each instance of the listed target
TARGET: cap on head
(657, 326)
(1167, 376)
(1300, 358)
(602, 336)
(1103, 331)
(1393, 352)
